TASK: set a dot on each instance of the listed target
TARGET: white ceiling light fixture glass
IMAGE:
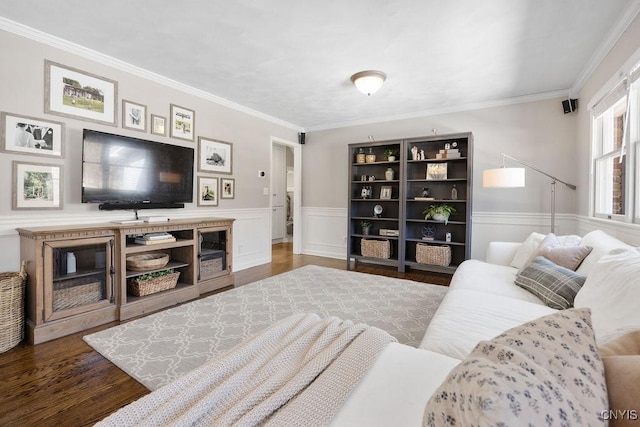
(369, 81)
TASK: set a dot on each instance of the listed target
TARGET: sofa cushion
(567, 255)
(466, 317)
(602, 244)
(625, 345)
(612, 292)
(490, 278)
(623, 385)
(545, 372)
(555, 285)
(527, 250)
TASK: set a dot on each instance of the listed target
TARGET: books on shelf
(424, 198)
(389, 233)
(156, 236)
(451, 153)
(142, 241)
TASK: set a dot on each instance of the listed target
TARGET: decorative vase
(392, 158)
(370, 158)
(440, 217)
(388, 175)
(360, 157)
(365, 230)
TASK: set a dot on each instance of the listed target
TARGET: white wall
(22, 93)
(536, 132)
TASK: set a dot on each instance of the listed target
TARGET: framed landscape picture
(207, 191)
(134, 116)
(37, 186)
(227, 188)
(29, 135)
(214, 156)
(158, 125)
(70, 92)
(182, 123)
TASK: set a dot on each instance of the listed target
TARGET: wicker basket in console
(433, 254)
(76, 292)
(140, 288)
(375, 248)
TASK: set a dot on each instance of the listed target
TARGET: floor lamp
(514, 177)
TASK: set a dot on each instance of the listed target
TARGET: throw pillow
(626, 345)
(524, 253)
(555, 285)
(623, 385)
(612, 292)
(602, 244)
(545, 372)
(568, 255)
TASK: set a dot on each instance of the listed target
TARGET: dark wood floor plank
(66, 383)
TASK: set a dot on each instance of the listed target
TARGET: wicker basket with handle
(375, 248)
(140, 288)
(433, 254)
(12, 286)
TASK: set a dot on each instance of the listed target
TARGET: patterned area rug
(161, 347)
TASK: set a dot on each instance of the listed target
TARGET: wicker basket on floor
(375, 248)
(140, 288)
(433, 254)
(12, 286)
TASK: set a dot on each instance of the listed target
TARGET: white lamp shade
(368, 82)
(503, 177)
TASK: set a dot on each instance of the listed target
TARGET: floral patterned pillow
(546, 372)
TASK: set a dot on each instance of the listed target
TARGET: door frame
(297, 189)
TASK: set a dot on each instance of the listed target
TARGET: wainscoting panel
(251, 232)
(324, 232)
(628, 233)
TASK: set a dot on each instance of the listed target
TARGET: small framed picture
(134, 116)
(158, 125)
(183, 122)
(74, 93)
(385, 192)
(207, 191)
(29, 135)
(214, 156)
(37, 186)
(436, 171)
(227, 188)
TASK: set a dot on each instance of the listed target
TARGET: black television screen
(123, 170)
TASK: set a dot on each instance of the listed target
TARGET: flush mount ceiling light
(369, 81)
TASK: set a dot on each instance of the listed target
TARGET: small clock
(377, 211)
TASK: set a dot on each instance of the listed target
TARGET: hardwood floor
(66, 383)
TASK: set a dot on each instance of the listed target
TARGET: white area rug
(161, 347)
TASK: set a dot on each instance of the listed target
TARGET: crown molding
(76, 49)
(614, 35)
(445, 110)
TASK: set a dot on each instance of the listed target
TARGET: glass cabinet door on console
(212, 253)
(78, 275)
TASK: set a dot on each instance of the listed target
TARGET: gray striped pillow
(555, 285)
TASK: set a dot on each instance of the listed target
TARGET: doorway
(286, 204)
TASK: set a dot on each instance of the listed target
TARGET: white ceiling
(292, 60)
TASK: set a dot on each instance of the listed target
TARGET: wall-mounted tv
(122, 172)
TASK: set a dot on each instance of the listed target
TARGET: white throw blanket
(298, 371)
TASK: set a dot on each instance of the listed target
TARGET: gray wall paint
(538, 133)
(22, 92)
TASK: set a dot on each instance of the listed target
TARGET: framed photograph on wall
(158, 125)
(29, 135)
(436, 171)
(207, 191)
(183, 122)
(134, 116)
(37, 186)
(74, 93)
(227, 188)
(214, 156)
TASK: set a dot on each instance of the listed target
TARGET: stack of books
(451, 153)
(155, 238)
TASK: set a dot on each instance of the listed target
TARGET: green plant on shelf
(440, 212)
(154, 274)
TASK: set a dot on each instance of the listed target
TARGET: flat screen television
(122, 172)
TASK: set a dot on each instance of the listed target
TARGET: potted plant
(365, 226)
(439, 212)
(391, 154)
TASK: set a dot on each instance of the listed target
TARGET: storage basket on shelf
(375, 248)
(12, 286)
(147, 261)
(76, 293)
(140, 287)
(433, 254)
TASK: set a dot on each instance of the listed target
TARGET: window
(616, 152)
